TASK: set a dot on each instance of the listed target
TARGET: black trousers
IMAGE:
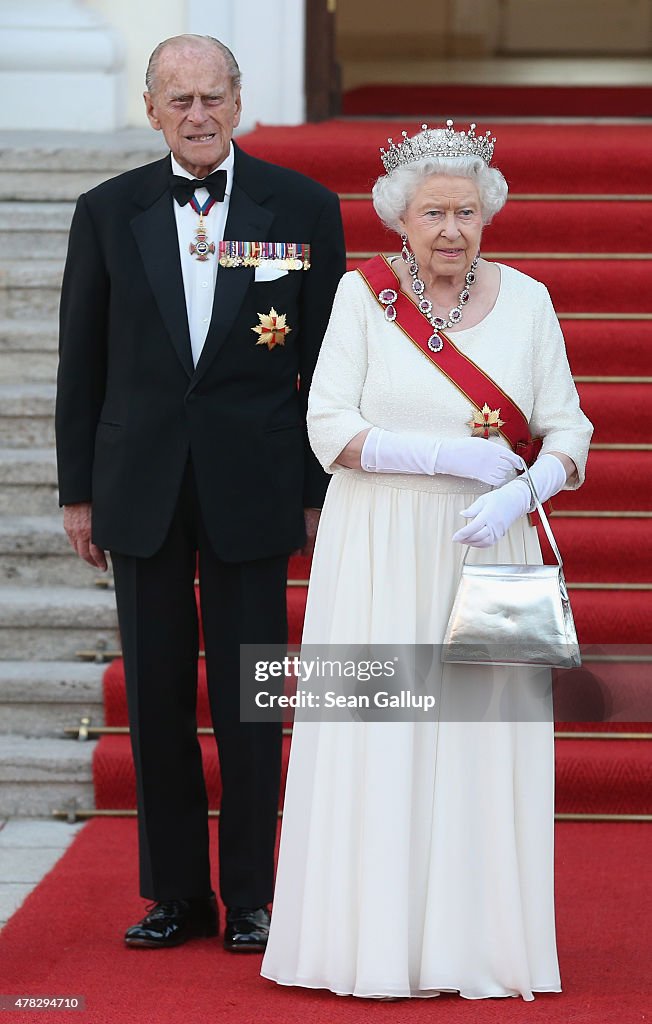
(240, 603)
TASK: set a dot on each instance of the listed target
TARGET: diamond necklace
(435, 343)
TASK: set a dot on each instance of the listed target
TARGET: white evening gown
(418, 857)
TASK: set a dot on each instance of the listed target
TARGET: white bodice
(370, 374)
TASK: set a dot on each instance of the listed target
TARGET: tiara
(437, 142)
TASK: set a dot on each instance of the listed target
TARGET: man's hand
(311, 518)
(77, 524)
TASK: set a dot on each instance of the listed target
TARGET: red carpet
(612, 347)
(579, 539)
(475, 101)
(571, 159)
(67, 939)
(612, 616)
(615, 481)
(612, 777)
(618, 411)
(113, 773)
(617, 691)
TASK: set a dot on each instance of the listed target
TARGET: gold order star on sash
(272, 329)
(485, 422)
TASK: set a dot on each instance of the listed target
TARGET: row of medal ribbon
(284, 255)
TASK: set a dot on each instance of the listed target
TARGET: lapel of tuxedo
(247, 221)
(155, 231)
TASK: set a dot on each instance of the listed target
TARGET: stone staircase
(56, 622)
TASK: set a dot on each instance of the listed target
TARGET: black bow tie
(183, 189)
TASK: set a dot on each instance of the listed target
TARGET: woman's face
(444, 225)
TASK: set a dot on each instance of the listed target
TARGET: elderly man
(184, 371)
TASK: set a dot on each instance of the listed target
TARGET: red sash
(467, 377)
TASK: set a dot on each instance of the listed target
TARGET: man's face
(193, 104)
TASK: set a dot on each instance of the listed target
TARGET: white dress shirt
(200, 277)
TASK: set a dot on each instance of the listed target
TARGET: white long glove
(492, 514)
(385, 451)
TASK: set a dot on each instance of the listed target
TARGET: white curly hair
(393, 193)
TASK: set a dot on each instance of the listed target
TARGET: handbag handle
(544, 520)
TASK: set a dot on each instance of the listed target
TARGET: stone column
(60, 68)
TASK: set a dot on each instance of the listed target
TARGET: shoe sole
(258, 947)
(209, 933)
(148, 944)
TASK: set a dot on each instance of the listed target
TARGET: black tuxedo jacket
(131, 407)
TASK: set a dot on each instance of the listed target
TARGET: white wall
(266, 36)
(141, 24)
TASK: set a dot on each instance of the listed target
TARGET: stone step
(29, 482)
(55, 623)
(37, 228)
(30, 288)
(28, 350)
(29, 849)
(27, 415)
(28, 367)
(65, 164)
(62, 185)
(42, 698)
(29, 335)
(35, 551)
(39, 775)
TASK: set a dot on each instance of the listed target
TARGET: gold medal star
(485, 422)
(272, 329)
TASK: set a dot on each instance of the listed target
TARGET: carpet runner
(577, 159)
(67, 940)
(486, 100)
(576, 189)
(610, 347)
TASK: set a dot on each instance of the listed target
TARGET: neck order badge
(201, 248)
(183, 190)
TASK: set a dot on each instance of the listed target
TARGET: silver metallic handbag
(513, 614)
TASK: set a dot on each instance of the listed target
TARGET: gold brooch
(485, 422)
(272, 329)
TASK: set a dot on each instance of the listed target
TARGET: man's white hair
(189, 39)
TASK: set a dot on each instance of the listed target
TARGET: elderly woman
(417, 857)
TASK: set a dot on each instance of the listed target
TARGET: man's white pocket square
(269, 273)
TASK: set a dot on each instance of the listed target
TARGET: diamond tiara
(437, 142)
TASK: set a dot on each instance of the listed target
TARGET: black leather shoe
(172, 922)
(246, 929)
